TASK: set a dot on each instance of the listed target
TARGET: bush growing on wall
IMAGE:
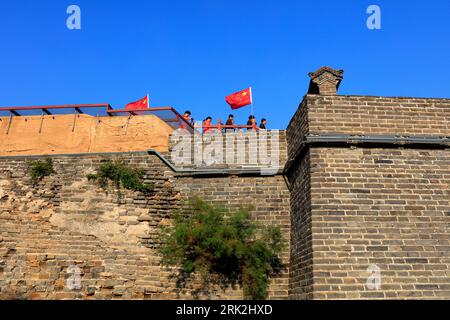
(40, 169)
(211, 240)
(122, 176)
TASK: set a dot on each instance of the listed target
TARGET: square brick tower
(370, 195)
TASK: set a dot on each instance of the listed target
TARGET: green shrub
(122, 176)
(40, 169)
(212, 240)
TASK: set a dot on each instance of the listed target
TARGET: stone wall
(68, 221)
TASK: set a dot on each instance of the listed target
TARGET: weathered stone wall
(67, 220)
(364, 205)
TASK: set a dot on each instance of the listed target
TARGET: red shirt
(206, 123)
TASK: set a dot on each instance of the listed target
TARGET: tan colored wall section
(89, 135)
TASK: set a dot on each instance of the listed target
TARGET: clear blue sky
(190, 54)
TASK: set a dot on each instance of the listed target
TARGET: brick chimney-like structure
(325, 81)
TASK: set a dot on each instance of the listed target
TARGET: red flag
(240, 99)
(140, 104)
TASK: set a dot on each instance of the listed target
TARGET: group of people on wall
(229, 125)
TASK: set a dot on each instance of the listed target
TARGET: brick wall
(301, 285)
(297, 129)
(363, 205)
(67, 220)
(383, 207)
(360, 115)
(270, 198)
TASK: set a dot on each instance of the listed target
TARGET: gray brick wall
(361, 205)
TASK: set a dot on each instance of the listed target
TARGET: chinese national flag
(140, 104)
(240, 99)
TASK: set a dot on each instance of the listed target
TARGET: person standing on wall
(230, 122)
(206, 124)
(251, 122)
(187, 118)
(263, 124)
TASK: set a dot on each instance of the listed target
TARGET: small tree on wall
(39, 169)
(121, 175)
(212, 240)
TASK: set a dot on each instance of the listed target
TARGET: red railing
(219, 126)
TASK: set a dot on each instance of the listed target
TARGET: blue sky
(191, 54)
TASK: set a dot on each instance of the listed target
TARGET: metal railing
(221, 126)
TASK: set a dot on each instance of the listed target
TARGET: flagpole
(251, 100)
(148, 101)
